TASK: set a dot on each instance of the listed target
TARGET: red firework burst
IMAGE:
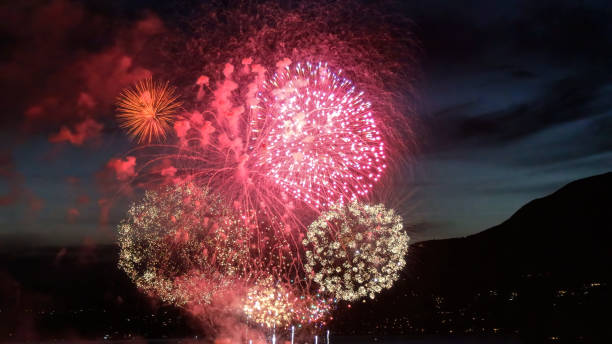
(314, 135)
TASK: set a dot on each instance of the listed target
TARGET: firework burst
(311, 134)
(283, 144)
(270, 303)
(147, 110)
(356, 250)
(182, 244)
(315, 136)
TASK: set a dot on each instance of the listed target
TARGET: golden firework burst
(356, 250)
(182, 244)
(147, 110)
(270, 303)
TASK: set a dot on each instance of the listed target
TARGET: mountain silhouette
(565, 234)
(543, 273)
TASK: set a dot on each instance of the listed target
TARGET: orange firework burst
(147, 110)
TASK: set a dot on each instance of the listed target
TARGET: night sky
(514, 101)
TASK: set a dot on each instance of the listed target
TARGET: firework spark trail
(147, 110)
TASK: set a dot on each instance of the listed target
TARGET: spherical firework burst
(147, 110)
(270, 303)
(356, 250)
(315, 136)
(182, 244)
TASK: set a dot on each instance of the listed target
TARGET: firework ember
(147, 110)
(182, 244)
(356, 250)
(315, 136)
(270, 304)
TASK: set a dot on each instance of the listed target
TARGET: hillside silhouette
(566, 235)
(543, 273)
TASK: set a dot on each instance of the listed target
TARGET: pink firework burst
(314, 135)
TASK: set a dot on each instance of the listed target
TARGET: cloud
(87, 129)
(169, 171)
(83, 199)
(17, 193)
(285, 62)
(72, 214)
(574, 107)
(222, 95)
(181, 128)
(12, 178)
(572, 98)
(124, 169)
(105, 207)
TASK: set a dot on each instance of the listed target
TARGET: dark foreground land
(542, 275)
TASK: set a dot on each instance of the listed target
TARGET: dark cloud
(473, 32)
(85, 130)
(523, 74)
(565, 100)
(566, 30)
(475, 49)
(516, 103)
